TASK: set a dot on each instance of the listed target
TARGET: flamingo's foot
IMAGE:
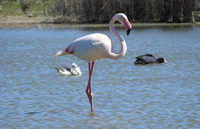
(92, 109)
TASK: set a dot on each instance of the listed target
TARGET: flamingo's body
(95, 46)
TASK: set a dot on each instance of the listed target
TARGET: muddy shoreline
(21, 22)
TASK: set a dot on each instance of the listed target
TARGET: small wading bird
(149, 59)
(75, 70)
(95, 46)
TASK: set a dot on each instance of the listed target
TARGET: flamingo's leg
(89, 86)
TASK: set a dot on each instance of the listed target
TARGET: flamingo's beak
(128, 31)
(127, 25)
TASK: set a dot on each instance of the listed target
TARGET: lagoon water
(34, 95)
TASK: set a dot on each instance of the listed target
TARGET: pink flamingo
(95, 46)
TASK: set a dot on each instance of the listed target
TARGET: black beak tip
(128, 31)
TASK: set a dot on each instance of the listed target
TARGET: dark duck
(149, 59)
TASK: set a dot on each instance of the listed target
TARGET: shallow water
(34, 95)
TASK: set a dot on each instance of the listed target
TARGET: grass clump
(13, 8)
(10, 8)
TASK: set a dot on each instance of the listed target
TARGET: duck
(75, 70)
(149, 59)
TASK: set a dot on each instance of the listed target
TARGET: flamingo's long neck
(122, 42)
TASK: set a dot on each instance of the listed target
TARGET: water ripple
(34, 95)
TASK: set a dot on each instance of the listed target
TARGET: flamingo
(96, 46)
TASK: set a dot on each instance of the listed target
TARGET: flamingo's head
(122, 18)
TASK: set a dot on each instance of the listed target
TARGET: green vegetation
(100, 11)
(10, 8)
(13, 8)
(156, 19)
(36, 9)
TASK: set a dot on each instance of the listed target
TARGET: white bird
(95, 46)
(75, 70)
